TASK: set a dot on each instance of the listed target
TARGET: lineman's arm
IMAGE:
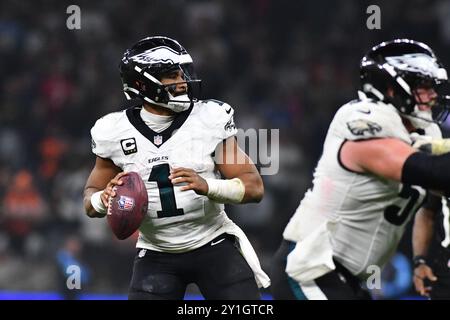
(422, 235)
(423, 231)
(384, 157)
(394, 159)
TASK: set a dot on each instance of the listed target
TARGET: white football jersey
(369, 212)
(176, 221)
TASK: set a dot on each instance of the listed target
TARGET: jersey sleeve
(364, 120)
(221, 119)
(104, 141)
(229, 128)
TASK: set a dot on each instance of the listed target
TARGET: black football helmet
(403, 65)
(147, 61)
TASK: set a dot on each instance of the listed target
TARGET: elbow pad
(427, 171)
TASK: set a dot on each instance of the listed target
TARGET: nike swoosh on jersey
(217, 242)
(228, 110)
(366, 112)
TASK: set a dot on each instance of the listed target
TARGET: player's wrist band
(97, 202)
(419, 260)
(225, 191)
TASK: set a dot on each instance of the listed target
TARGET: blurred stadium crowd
(281, 64)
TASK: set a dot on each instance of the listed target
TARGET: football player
(369, 180)
(431, 249)
(181, 147)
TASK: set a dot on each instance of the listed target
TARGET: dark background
(281, 64)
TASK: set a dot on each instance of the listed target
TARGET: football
(129, 206)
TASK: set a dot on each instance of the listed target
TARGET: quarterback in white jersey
(180, 147)
(364, 187)
(177, 221)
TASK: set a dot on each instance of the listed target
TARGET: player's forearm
(254, 187)
(422, 232)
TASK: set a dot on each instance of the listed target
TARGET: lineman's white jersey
(176, 220)
(370, 212)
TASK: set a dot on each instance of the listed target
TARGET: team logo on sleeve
(128, 146)
(230, 126)
(361, 127)
(93, 144)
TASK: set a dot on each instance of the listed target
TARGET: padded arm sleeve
(427, 171)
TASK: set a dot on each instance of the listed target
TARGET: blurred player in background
(369, 180)
(431, 249)
(181, 147)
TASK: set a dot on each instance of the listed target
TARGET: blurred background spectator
(281, 64)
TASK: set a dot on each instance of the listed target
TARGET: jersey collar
(157, 138)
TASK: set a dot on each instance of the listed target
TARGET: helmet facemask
(182, 101)
(428, 110)
(166, 94)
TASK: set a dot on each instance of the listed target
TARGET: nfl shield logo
(157, 140)
(126, 203)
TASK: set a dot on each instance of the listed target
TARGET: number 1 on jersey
(160, 174)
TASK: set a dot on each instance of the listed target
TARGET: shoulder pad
(365, 119)
(220, 116)
(104, 133)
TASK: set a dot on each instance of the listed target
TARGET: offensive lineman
(180, 147)
(369, 180)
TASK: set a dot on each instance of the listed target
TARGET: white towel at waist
(262, 279)
(312, 257)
